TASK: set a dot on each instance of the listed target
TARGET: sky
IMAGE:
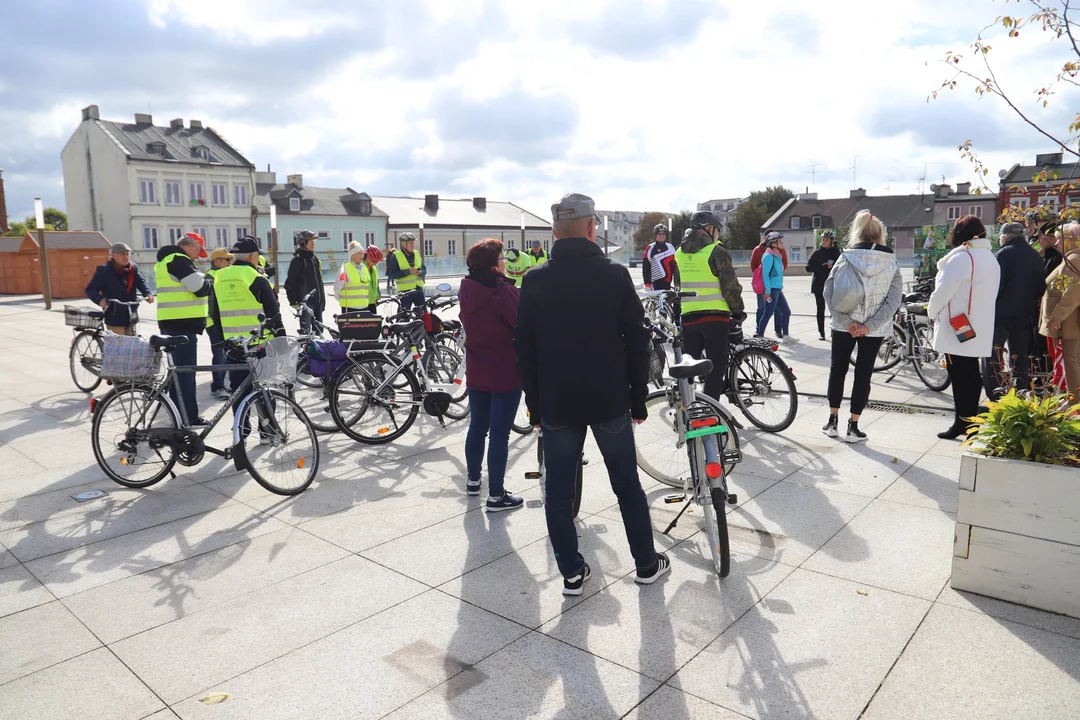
(642, 104)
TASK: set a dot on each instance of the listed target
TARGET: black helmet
(406, 237)
(660, 228)
(303, 236)
(703, 217)
(253, 239)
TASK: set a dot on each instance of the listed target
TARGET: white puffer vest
(877, 269)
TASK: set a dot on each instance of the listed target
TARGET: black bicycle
(84, 358)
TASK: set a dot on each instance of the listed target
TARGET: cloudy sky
(644, 104)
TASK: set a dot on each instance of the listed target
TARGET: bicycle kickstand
(674, 499)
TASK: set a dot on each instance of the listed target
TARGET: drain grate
(903, 409)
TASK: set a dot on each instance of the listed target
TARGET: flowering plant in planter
(1027, 426)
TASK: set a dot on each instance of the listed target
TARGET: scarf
(126, 275)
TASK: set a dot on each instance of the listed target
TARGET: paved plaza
(383, 591)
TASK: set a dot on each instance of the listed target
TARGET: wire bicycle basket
(278, 363)
(80, 317)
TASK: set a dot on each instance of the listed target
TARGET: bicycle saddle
(689, 367)
(914, 297)
(916, 308)
(167, 342)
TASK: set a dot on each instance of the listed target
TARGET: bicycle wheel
(929, 363)
(521, 424)
(751, 379)
(280, 444)
(85, 360)
(312, 395)
(123, 437)
(656, 440)
(441, 366)
(891, 351)
(374, 417)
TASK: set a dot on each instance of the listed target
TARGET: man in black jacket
(583, 358)
(118, 279)
(1019, 293)
(305, 275)
(821, 264)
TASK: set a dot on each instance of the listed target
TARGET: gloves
(738, 318)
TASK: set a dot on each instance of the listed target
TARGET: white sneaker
(220, 394)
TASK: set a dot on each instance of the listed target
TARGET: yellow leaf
(862, 592)
(214, 698)
(895, 460)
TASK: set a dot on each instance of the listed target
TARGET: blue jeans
(412, 298)
(185, 355)
(562, 452)
(779, 307)
(761, 311)
(491, 415)
(217, 351)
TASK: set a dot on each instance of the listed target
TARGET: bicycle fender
(239, 453)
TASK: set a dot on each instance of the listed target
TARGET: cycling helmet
(1032, 216)
(374, 254)
(771, 236)
(826, 234)
(303, 236)
(406, 237)
(703, 218)
(660, 228)
(512, 254)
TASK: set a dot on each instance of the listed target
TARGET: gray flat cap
(573, 207)
(1012, 230)
(119, 249)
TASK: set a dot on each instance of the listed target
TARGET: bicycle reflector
(713, 470)
(704, 422)
(429, 325)
(93, 405)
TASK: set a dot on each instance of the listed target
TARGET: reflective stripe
(180, 303)
(235, 313)
(175, 301)
(695, 274)
(706, 285)
(173, 289)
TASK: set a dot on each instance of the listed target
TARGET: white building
(146, 185)
(622, 224)
(724, 208)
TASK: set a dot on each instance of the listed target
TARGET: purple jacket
(489, 307)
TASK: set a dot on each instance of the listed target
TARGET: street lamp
(605, 236)
(523, 230)
(274, 245)
(43, 257)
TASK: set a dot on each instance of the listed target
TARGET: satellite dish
(933, 187)
(1002, 174)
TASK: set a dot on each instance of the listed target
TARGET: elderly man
(119, 279)
(583, 357)
(406, 268)
(538, 255)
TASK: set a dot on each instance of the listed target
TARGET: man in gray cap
(1019, 296)
(119, 280)
(583, 357)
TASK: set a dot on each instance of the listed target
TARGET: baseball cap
(119, 249)
(220, 254)
(245, 246)
(573, 207)
(1012, 230)
(196, 238)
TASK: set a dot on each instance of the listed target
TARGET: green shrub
(1028, 427)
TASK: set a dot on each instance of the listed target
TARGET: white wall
(109, 180)
(76, 181)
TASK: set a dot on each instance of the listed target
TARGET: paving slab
(56, 636)
(860, 469)
(931, 482)
(1020, 614)
(20, 590)
(667, 703)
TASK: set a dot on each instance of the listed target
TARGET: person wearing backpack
(772, 287)
(820, 265)
(755, 263)
(863, 293)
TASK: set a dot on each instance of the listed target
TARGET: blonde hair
(1070, 237)
(866, 228)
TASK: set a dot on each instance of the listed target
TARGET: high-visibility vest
(212, 272)
(174, 301)
(361, 286)
(538, 259)
(515, 271)
(238, 307)
(695, 274)
(410, 281)
(262, 265)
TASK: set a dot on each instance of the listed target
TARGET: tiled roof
(69, 240)
(409, 212)
(314, 200)
(967, 198)
(179, 144)
(1023, 174)
(896, 211)
(10, 244)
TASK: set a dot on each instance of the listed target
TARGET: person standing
(182, 293)
(538, 255)
(660, 271)
(583, 356)
(305, 275)
(772, 274)
(820, 265)
(966, 284)
(357, 285)
(1060, 317)
(517, 264)
(755, 261)
(219, 258)
(866, 326)
(118, 279)
(1023, 283)
(704, 266)
(406, 268)
(489, 305)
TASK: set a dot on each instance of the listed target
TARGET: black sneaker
(822, 338)
(572, 585)
(200, 423)
(472, 487)
(506, 502)
(831, 428)
(662, 566)
(854, 434)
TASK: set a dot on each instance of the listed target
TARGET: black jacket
(1023, 283)
(183, 269)
(817, 265)
(305, 275)
(1051, 259)
(106, 283)
(581, 343)
(264, 293)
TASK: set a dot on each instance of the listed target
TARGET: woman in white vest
(867, 325)
(966, 285)
(357, 284)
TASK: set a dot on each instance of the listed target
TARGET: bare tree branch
(1001, 93)
(1068, 28)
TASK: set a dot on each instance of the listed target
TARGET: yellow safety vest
(262, 265)
(538, 259)
(410, 281)
(238, 308)
(212, 272)
(174, 301)
(515, 271)
(361, 286)
(695, 274)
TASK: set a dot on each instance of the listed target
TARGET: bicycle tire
(893, 346)
(85, 343)
(308, 452)
(521, 424)
(358, 377)
(670, 464)
(715, 510)
(923, 348)
(136, 397)
(312, 395)
(441, 365)
(752, 383)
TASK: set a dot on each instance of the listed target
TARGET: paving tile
(931, 482)
(888, 545)
(55, 448)
(209, 647)
(368, 669)
(35, 481)
(789, 522)
(1021, 614)
(534, 677)
(20, 590)
(167, 593)
(656, 629)
(667, 703)
(859, 469)
(93, 686)
(13, 464)
(962, 664)
(37, 638)
(814, 647)
(144, 550)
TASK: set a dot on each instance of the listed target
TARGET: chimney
(3, 205)
(858, 193)
(431, 203)
(196, 124)
(943, 190)
(176, 124)
(1048, 159)
(90, 112)
(297, 180)
(266, 178)
(963, 188)
(144, 119)
(479, 203)
(807, 196)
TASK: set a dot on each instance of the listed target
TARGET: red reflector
(457, 381)
(775, 348)
(93, 404)
(706, 422)
(713, 470)
(428, 324)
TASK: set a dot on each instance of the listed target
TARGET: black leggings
(966, 386)
(710, 339)
(843, 344)
(820, 313)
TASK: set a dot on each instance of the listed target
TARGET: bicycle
(912, 340)
(88, 327)
(138, 434)
(541, 473)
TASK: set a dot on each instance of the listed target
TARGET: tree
(16, 229)
(679, 225)
(644, 234)
(744, 230)
(54, 220)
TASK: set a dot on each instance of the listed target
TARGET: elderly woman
(1060, 317)
(357, 285)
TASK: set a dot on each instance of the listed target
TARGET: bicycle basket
(79, 317)
(360, 326)
(277, 364)
(657, 362)
(128, 358)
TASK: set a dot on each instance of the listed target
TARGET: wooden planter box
(1018, 533)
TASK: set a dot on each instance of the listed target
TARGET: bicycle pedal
(672, 499)
(732, 499)
(533, 476)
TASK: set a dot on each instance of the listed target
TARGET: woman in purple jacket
(489, 303)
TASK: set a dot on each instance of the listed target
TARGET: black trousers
(1017, 335)
(966, 386)
(709, 339)
(843, 344)
(820, 313)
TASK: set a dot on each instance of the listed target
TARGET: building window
(201, 232)
(1050, 201)
(323, 234)
(451, 248)
(976, 210)
(795, 222)
(175, 233)
(429, 248)
(796, 254)
(511, 244)
(369, 238)
(241, 231)
(365, 207)
(240, 195)
(221, 237)
(219, 194)
(195, 193)
(816, 221)
(294, 204)
(346, 239)
(1021, 201)
(148, 192)
(149, 237)
(172, 192)
(955, 212)
(547, 245)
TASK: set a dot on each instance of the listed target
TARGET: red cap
(199, 239)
